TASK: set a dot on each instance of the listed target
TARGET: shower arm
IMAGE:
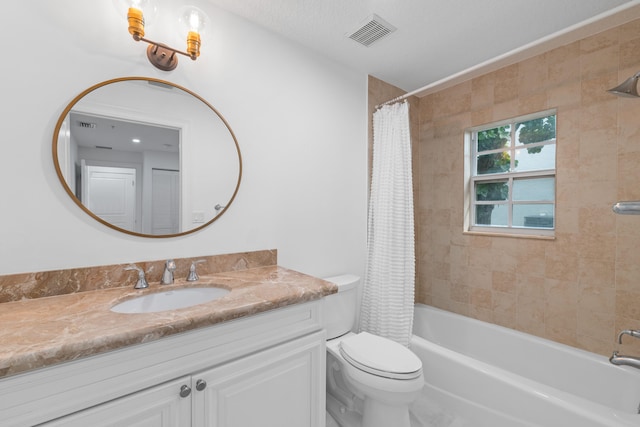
(627, 208)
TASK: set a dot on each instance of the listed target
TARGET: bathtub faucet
(619, 359)
(632, 332)
(624, 360)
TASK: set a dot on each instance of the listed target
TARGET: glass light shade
(148, 7)
(192, 19)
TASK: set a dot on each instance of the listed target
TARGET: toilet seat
(380, 356)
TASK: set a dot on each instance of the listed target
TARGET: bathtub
(478, 374)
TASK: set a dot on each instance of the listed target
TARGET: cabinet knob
(201, 385)
(185, 391)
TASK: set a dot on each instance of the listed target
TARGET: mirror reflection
(147, 157)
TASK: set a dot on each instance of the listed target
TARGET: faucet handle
(193, 274)
(142, 281)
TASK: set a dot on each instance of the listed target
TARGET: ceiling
(435, 40)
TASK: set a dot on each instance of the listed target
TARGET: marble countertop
(45, 331)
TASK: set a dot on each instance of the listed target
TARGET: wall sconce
(160, 55)
(629, 88)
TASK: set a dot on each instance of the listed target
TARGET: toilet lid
(380, 356)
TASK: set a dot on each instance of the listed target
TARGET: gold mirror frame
(78, 202)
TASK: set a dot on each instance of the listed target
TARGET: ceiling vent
(371, 30)
(86, 125)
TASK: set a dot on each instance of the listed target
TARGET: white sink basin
(169, 300)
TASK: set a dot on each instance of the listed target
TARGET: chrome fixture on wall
(629, 88)
(160, 55)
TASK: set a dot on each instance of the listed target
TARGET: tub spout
(631, 332)
(624, 360)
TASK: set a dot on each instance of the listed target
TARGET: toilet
(371, 380)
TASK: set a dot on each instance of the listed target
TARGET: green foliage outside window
(529, 132)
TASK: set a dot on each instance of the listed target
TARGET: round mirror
(147, 157)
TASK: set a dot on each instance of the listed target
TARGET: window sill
(511, 235)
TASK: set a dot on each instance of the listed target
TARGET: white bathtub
(492, 376)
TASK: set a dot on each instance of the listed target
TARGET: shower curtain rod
(408, 94)
(398, 98)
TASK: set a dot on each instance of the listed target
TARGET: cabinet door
(160, 406)
(280, 387)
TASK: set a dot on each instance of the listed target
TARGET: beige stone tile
(480, 298)
(505, 109)
(627, 274)
(504, 282)
(559, 334)
(482, 116)
(594, 90)
(480, 278)
(628, 137)
(596, 273)
(598, 324)
(530, 287)
(598, 193)
(601, 247)
(530, 316)
(506, 84)
(630, 52)
(629, 31)
(628, 304)
(597, 220)
(533, 102)
(567, 219)
(562, 268)
(482, 91)
(597, 299)
(599, 41)
(565, 95)
(599, 62)
(459, 293)
(629, 176)
(593, 345)
(505, 318)
(533, 75)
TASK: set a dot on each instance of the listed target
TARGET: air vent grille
(86, 125)
(371, 30)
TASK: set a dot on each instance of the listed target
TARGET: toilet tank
(340, 308)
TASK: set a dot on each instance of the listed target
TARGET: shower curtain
(388, 295)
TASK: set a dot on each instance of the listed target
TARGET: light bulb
(147, 7)
(193, 21)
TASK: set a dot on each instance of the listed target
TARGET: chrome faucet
(167, 276)
(631, 332)
(142, 281)
(193, 275)
(617, 359)
(624, 360)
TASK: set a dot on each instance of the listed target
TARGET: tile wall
(583, 287)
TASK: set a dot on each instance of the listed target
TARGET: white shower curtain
(388, 295)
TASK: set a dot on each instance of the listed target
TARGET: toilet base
(343, 416)
(377, 414)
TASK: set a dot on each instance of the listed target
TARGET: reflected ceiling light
(629, 88)
(136, 140)
(160, 55)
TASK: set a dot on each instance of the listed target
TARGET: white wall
(300, 121)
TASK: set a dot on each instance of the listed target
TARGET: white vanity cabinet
(159, 406)
(265, 370)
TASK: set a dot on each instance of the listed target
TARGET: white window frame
(471, 178)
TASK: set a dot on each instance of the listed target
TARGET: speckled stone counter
(44, 331)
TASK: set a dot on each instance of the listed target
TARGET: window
(511, 169)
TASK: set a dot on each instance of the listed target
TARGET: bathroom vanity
(255, 357)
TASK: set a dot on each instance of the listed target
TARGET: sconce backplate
(162, 57)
